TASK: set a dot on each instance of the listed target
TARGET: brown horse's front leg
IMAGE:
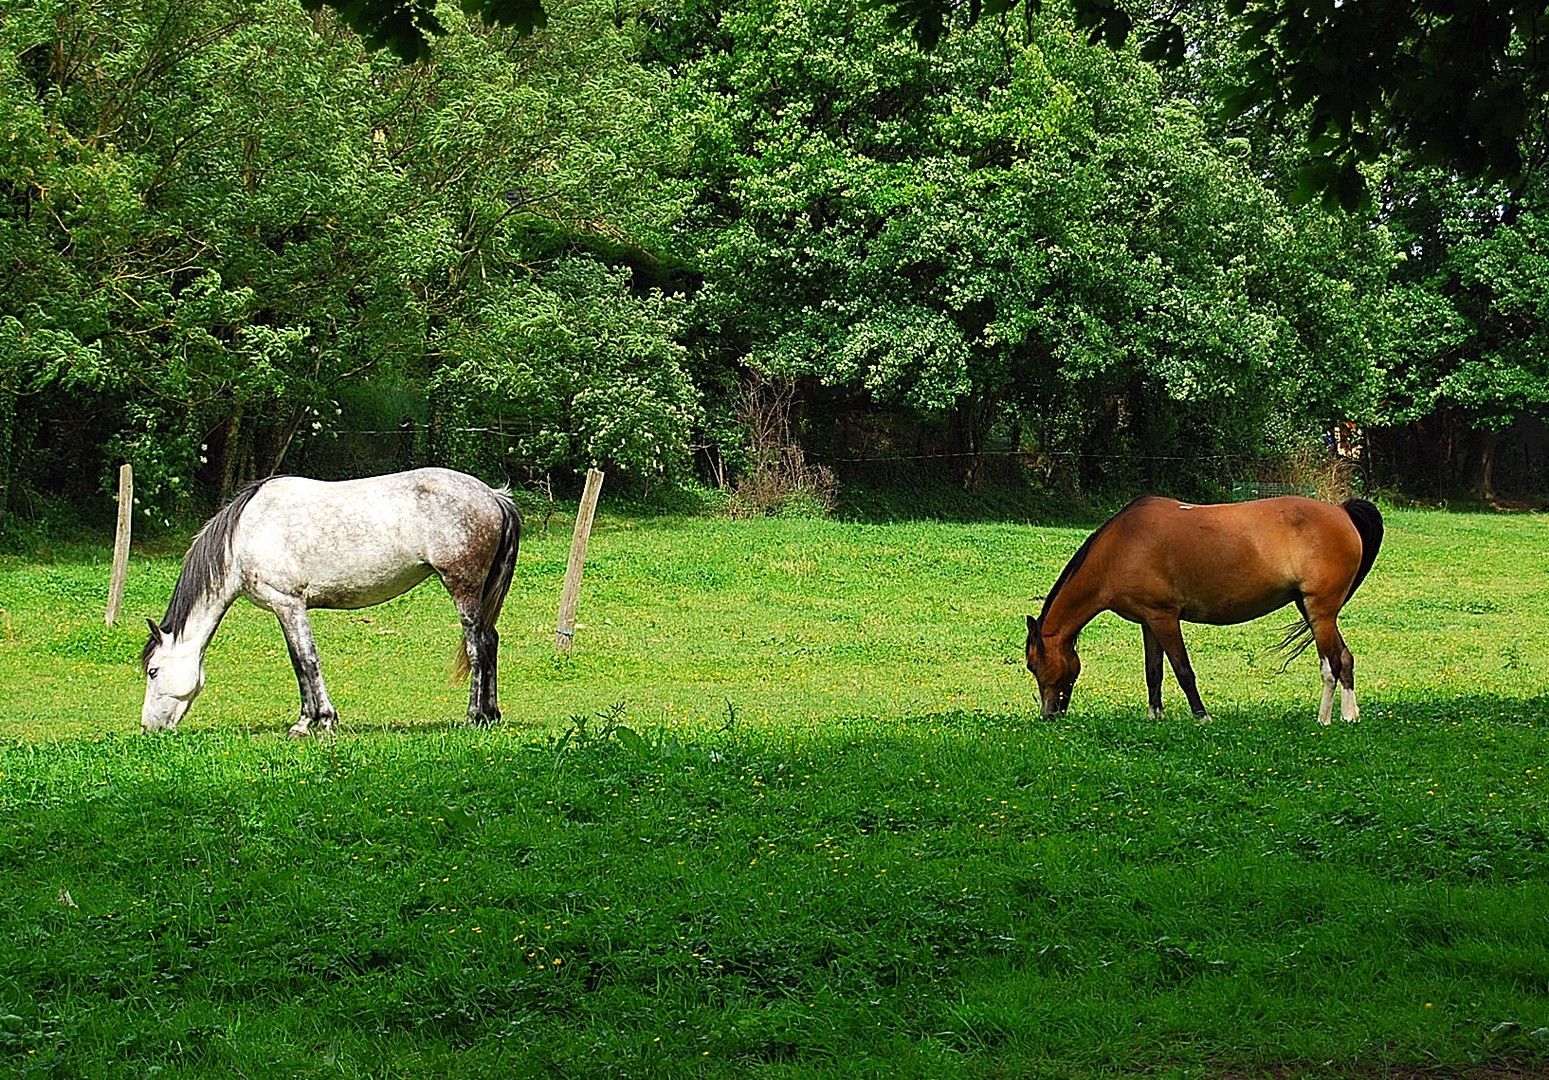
(1170, 636)
(1153, 670)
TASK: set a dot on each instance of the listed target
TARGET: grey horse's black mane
(1080, 557)
(204, 566)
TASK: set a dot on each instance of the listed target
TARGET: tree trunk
(972, 419)
(231, 450)
(282, 443)
(1484, 478)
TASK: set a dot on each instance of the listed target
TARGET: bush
(779, 479)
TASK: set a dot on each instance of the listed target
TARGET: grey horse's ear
(155, 630)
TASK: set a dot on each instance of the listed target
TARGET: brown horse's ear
(1032, 624)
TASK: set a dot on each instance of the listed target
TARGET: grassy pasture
(832, 836)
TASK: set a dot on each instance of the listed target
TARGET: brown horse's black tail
(1367, 520)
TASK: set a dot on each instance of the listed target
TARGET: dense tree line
(237, 241)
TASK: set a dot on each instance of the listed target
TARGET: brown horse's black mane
(1080, 557)
(204, 566)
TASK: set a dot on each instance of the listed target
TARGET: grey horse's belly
(366, 591)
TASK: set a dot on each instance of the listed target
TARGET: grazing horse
(1159, 561)
(289, 544)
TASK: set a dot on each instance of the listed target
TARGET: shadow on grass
(979, 892)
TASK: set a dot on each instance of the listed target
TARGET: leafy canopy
(1459, 85)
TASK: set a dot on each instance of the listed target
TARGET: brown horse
(1159, 561)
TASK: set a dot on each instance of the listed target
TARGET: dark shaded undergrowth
(964, 894)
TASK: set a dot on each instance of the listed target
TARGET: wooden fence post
(121, 543)
(564, 633)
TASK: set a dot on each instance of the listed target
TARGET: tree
(1460, 85)
(1010, 233)
(194, 229)
(579, 370)
(223, 222)
(1464, 337)
(408, 27)
(1465, 86)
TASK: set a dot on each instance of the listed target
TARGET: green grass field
(788, 810)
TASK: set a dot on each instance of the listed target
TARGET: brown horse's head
(1055, 669)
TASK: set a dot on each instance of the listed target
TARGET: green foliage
(220, 215)
(1481, 315)
(1466, 326)
(223, 288)
(407, 27)
(582, 371)
(239, 242)
(1459, 87)
(1015, 233)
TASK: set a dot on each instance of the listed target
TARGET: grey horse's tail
(498, 580)
(1367, 520)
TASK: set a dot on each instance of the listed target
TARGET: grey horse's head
(174, 675)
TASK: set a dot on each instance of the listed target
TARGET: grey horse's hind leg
(480, 644)
(309, 670)
(483, 645)
(467, 576)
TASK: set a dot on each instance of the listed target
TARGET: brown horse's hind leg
(1170, 636)
(1338, 668)
(1348, 709)
(1153, 670)
(1326, 702)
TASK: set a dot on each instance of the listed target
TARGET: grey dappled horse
(289, 544)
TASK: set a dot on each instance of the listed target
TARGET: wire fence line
(413, 443)
(945, 455)
(1075, 455)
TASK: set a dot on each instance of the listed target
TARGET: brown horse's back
(1224, 563)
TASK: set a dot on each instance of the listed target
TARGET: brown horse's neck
(1077, 596)
(1068, 613)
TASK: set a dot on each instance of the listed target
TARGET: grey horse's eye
(151, 674)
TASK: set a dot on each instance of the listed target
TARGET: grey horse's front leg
(309, 670)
